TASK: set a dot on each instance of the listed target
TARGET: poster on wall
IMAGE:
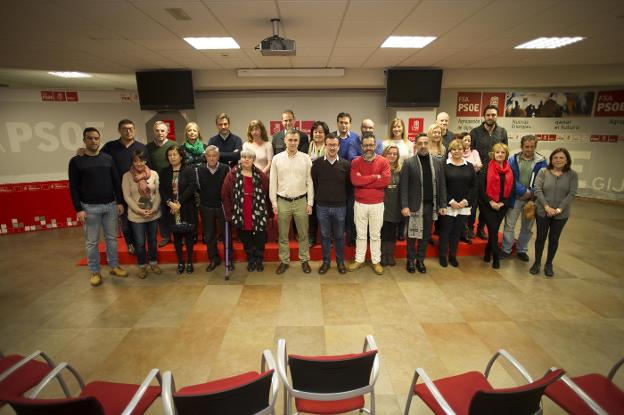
(561, 119)
(549, 104)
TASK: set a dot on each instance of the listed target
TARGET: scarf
(492, 188)
(316, 152)
(415, 223)
(140, 178)
(195, 149)
(259, 208)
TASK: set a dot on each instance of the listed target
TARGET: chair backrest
(247, 399)
(86, 405)
(521, 400)
(331, 374)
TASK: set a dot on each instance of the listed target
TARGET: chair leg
(410, 395)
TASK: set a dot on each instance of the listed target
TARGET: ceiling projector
(276, 45)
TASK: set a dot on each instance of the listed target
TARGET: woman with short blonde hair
(436, 148)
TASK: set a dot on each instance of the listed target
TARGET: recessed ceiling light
(212, 42)
(407, 41)
(549, 42)
(70, 74)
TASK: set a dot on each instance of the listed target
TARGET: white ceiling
(114, 38)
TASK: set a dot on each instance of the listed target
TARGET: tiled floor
(201, 327)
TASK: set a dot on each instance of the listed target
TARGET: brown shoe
(341, 268)
(142, 272)
(324, 267)
(96, 279)
(118, 272)
(378, 268)
(281, 268)
(156, 269)
(306, 267)
(354, 266)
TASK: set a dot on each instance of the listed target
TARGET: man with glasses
(330, 176)
(370, 174)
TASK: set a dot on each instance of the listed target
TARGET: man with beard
(370, 174)
(423, 196)
(157, 150)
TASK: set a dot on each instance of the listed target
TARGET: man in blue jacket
(525, 165)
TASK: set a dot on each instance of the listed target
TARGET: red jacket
(369, 187)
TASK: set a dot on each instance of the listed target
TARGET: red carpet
(166, 255)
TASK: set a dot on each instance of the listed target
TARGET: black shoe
(443, 262)
(504, 255)
(487, 256)
(259, 266)
(481, 234)
(401, 237)
(180, 269)
(420, 265)
(251, 266)
(466, 240)
(351, 242)
(496, 263)
(522, 256)
(324, 267)
(410, 267)
(453, 261)
(342, 269)
(548, 270)
(470, 233)
(306, 267)
(535, 268)
(189, 268)
(281, 268)
(384, 261)
(230, 266)
(391, 261)
(212, 266)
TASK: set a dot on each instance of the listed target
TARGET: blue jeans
(511, 217)
(104, 216)
(332, 222)
(140, 230)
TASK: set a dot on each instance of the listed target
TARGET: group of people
(354, 188)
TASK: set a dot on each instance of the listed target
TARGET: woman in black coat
(177, 190)
(496, 195)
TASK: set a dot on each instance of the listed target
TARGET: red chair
(251, 393)
(329, 384)
(18, 374)
(471, 393)
(95, 398)
(589, 394)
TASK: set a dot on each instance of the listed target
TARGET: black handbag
(182, 227)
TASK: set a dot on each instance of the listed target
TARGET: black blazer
(483, 197)
(186, 193)
(410, 184)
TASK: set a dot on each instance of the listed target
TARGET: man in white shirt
(292, 195)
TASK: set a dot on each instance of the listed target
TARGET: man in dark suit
(288, 122)
(423, 197)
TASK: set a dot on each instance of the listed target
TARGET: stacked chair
(250, 393)
(95, 398)
(471, 393)
(589, 394)
(329, 384)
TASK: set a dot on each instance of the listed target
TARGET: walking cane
(226, 248)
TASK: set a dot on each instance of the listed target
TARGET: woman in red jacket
(245, 195)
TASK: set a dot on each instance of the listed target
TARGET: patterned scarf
(415, 223)
(195, 149)
(140, 178)
(259, 209)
